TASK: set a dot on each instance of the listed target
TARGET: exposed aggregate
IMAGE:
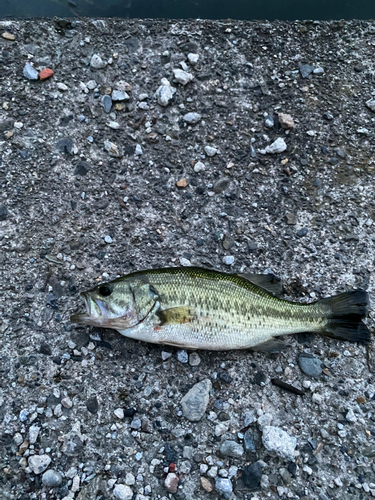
(242, 146)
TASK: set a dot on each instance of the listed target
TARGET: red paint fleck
(46, 73)
(157, 328)
(172, 467)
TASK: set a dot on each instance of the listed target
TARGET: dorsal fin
(267, 281)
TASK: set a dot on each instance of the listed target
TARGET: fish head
(109, 305)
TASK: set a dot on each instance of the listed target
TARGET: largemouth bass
(202, 309)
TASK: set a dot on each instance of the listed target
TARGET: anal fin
(175, 315)
(267, 281)
(270, 346)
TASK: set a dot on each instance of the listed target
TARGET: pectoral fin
(267, 281)
(272, 345)
(175, 315)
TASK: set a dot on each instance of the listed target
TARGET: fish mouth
(84, 318)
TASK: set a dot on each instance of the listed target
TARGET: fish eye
(105, 291)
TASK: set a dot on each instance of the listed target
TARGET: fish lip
(83, 317)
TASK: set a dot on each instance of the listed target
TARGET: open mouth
(83, 317)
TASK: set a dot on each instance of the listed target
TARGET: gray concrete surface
(102, 413)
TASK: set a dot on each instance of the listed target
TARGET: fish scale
(203, 309)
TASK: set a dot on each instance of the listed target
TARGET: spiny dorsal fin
(267, 281)
(175, 315)
(272, 345)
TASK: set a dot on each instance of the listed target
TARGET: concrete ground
(104, 171)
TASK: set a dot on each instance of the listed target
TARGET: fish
(197, 308)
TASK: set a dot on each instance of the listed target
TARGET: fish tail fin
(345, 320)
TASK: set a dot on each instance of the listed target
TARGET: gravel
(231, 449)
(30, 72)
(52, 478)
(195, 401)
(39, 463)
(277, 440)
(68, 180)
(310, 365)
(251, 475)
(192, 117)
(224, 487)
(122, 492)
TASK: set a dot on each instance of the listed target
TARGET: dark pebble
(130, 412)
(306, 70)
(259, 378)
(92, 405)
(107, 103)
(251, 246)
(45, 349)
(302, 232)
(333, 161)
(359, 68)
(223, 417)
(57, 360)
(224, 377)
(3, 212)
(292, 468)
(65, 145)
(251, 476)
(82, 168)
(251, 440)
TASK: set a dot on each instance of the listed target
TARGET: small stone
(210, 151)
(82, 168)
(62, 87)
(111, 147)
(206, 484)
(113, 125)
(108, 239)
(199, 167)
(107, 103)
(350, 416)
(310, 365)
(138, 150)
(171, 482)
(51, 478)
(361, 400)
(136, 423)
(231, 449)
(224, 487)
(165, 92)
(195, 401)
(39, 463)
(185, 262)
(318, 71)
(192, 117)
(250, 441)
(182, 356)
(119, 412)
(182, 183)
(123, 492)
(67, 402)
(33, 434)
(129, 479)
(371, 104)
(18, 439)
(302, 232)
(251, 476)
(92, 405)
(8, 36)
(268, 121)
(182, 77)
(193, 58)
(286, 121)
(97, 62)
(194, 359)
(165, 355)
(278, 146)
(46, 73)
(306, 70)
(119, 95)
(277, 440)
(3, 212)
(228, 260)
(30, 72)
(291, 219)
